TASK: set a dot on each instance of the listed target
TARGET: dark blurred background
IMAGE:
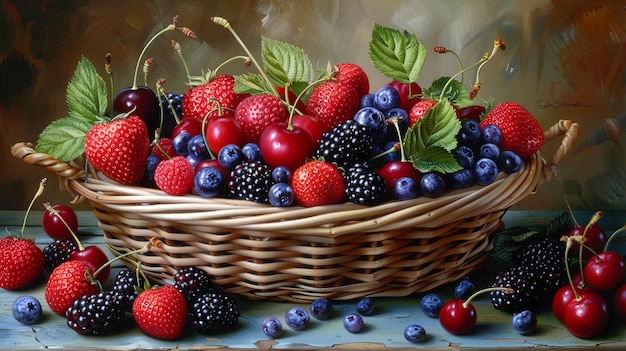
(564, 59)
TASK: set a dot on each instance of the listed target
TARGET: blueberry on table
(431, 304)
(26, 310)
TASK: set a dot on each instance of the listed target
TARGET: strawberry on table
(21, 262)
(521, 132)
(317, 183)
(119, 149)
(161, 312)
(68, 282)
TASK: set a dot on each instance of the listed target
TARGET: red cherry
(403, 88)
(395, 170)
(222, 131)
(95, 258)
(595, 240)
(619, 303)
(281, 146)
(604, 272)
(54, 226)
(457, 317)
(471, 112)
(561, 298)
(311, 125)
(144, 102)
(586, 316)
(192, 126)
(211, 163)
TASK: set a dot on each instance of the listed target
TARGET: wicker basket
(342, 251)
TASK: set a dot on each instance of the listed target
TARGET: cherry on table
(586, 316)
(604, 272)
(95, 257)
(458, 316)
(60, 223)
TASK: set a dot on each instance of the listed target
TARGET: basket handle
(569, 130)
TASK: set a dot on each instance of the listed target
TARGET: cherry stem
(458, 59)
(224, 23)
(482, 59)
(40, 189)
(555, 170)
(176, 46)
(469, 299)
(109, 71)
(146, 248)
(595, 218)
(293, 108)
(166, 29)
(394, 120)
(497, 46)
(246, 59)
(568, 245)
(52, 210)
(396, 147)
(608, 241)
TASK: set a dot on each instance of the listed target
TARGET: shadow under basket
(343, 251)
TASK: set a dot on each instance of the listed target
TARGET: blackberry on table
(526, 295)
(364, 185)
(213, 313)
(124, 286)
(58, 252)
(192, 282)
(251, 180)
(96, 314)
(546, 257)
(346, 144)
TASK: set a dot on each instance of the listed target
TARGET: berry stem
(595, 218)
(608, 241)
(394, 120)
(166, 29)
(51, 209)
(555, 170)
(469, 299)
(40, 189)
(109, 71)
(179, 51)
(146, 248)
(568, 245)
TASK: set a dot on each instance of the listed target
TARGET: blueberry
(353, 322)
(272, 327)
(403, 122)
(321, 309)
(367, 100)
(431, 305)
(281, 174)
(464, 289)
(460, 179)
(365, 306)
(464, 155)
(524, 322)
(432, 185)
(197, 147)
(281, 195)
(405, 188)
(490, 150)
(414, 333)
(193, 161)
(374, 119)
(386, 153)
(486, 171)
(387, 97)
(151, 164)
(229, 156)
(208, 181)
(180, 144)
(470, 132)
(251, 152)
(26, 310)
(509, 162)
(491, 134)
(297, 318)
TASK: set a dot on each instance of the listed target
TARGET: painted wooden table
(383, 330)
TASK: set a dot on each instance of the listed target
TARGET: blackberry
(251, 180)
(526, 294)
(363, 185)
(346, 144)
(124, 286)
(214, 313)
(169, 121)
(58, 252)
(546, 257)
(192, 282)
(96, 314)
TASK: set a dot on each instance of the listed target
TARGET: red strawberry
(174, 176)
(317, 183)
(353, 75)
(521, 132)
(165, 145)
(21, 262)
(119, 149)
(161, 312)
(256, 112)
(68, 282)
(332, 103)
(419, 110)
(199, 101)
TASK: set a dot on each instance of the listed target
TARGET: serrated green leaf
(285, 63)
(439, 126)
(251, 84)
(86, 93)
(435, 159)
(397, 55)
(64, 139)
(455, 92)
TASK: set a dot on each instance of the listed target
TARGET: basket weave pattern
(343, 251)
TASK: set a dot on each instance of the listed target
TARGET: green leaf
(455, 92)
(439, 126)
(435, 159)
(397, 55)
(251, 84)
(86, 93)
(64, 139)
(285, 64)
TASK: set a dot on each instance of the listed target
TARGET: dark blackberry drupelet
(169, 121)
(251, 180)
(546, 258)
(363, 185)
(526, 295)
(192, 282)
(213, 313)
(346, 144)
(57, 252)
(96, 314)
(124, 286)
